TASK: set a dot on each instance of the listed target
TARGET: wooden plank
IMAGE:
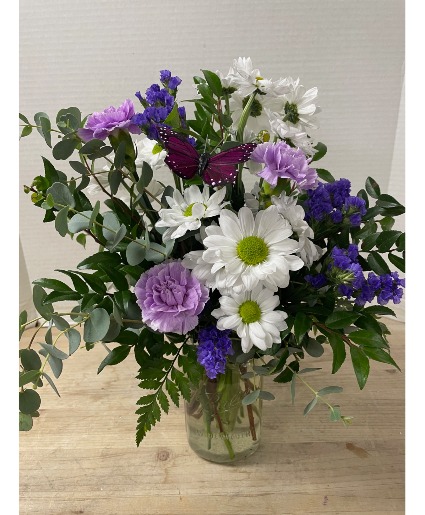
(81, 456)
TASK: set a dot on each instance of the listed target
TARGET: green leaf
(214, 82)
(372, 187)
(117, 355)
(45, 129)
(286, 375)
(96, 327)
(56, 296)
(81, 239)
(60, 322)
(61, 221)
(118, 279)
(145, 177)
(266, 396)
(29, 401)
(173, 391)
(79, 167)
(79, 285)
(389, 202)
(52, 284)
(377, 263)
(119, 236)
(24, 118)
(28, 377)
(30, 359)
(173, 119)
(338, 349)
(363, 337)
(64, 149)
(314, 348)
(360, 364)
(302, 325)
(38, 296)
(92, 146)
(52, 384)
(61, 195)
(23, 318)
(325, 175)
(310, 406)
(293, 385)
(321, 151)
(379, 310)
(335, 413)
(112, 225)
(401, 242)
(386, 223)
(94, 214)
(37, 120)
(56, 364)
(74, 339)
(25, 422)
(54, 351)
(329, 389)
(341, 319)
(163, 401)
(94, 282)
(79, 222)
(70, 116)
(26, 131)
(397, 261)
(108, 259)
(251, 397)
(156, 253)
(386, 240)
(363, 195)
(135, 252)
(370, 241)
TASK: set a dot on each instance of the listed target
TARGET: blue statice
(345, 271)
(213, 347)
(158, 103)
(332, 202)
(317, 281)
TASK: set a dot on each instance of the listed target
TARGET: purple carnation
(100, 125)
(283, 161)
(170, 297)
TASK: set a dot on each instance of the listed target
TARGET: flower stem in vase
(248, 389)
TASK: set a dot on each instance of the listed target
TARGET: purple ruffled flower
(170, 297)
(100, 125)
(283, 161)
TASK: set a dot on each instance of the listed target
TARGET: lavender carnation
(283, 161)
(214, 346)
(100, 125)
(170, 297)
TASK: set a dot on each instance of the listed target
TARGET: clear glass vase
(219, 426)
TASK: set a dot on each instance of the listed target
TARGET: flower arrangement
(197, 277)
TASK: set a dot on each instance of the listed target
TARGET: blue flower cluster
(214, 345)
(345, 271)
(158, 103)
(333, 202)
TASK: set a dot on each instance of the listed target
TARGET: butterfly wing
(181, 158)
(222, 167)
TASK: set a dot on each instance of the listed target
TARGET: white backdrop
(96, 54)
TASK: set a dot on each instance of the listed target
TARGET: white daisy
(145, 154)
(258, 119)
(246, 79)
(294, 214)
(295, 133)
(242, 252)
(187, 210)
(252, 316)
(298, 105)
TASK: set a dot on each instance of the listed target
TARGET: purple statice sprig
(158, 102)
(213, 348)
(344, 271)
(331, 203)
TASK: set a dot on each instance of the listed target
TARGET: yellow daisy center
(252, 250)
(250, 312)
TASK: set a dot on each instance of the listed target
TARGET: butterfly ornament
(185, 161)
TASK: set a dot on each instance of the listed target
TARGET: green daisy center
(252, 250)
(250, 312)
(188, 210)
(256, 107)
(291, 113)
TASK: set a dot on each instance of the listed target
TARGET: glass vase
(219, 426)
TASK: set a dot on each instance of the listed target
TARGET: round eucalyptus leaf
(25, 422)
(30, 359)
(96, 326)
(29, 401)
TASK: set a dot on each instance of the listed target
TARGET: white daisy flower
(258, 119)
(295, 133)
(145, 148)
(242, 252)
(247, 79)
(298, 105)
(187, 210)
(287, 206)
(252, 316)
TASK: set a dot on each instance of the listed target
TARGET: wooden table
(81, 456)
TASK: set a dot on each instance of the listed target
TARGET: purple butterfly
(185, 161)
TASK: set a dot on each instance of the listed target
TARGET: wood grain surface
(81, 458)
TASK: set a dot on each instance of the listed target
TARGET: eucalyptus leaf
(54, 351)
(96, 327)
(29, 401)
(74, 339)
(111, 225)
(56, 364)
(310, 406)
(251, 397)
(28, 377)
(329, 389)
(61, 195)
(52, 384)
(135, 252)
(25, 422)
(80, 222)
(65, 148)
(61, 221)
(266, 396)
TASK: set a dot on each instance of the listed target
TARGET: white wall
(94, 54)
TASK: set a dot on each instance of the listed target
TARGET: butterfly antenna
(218, 145)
